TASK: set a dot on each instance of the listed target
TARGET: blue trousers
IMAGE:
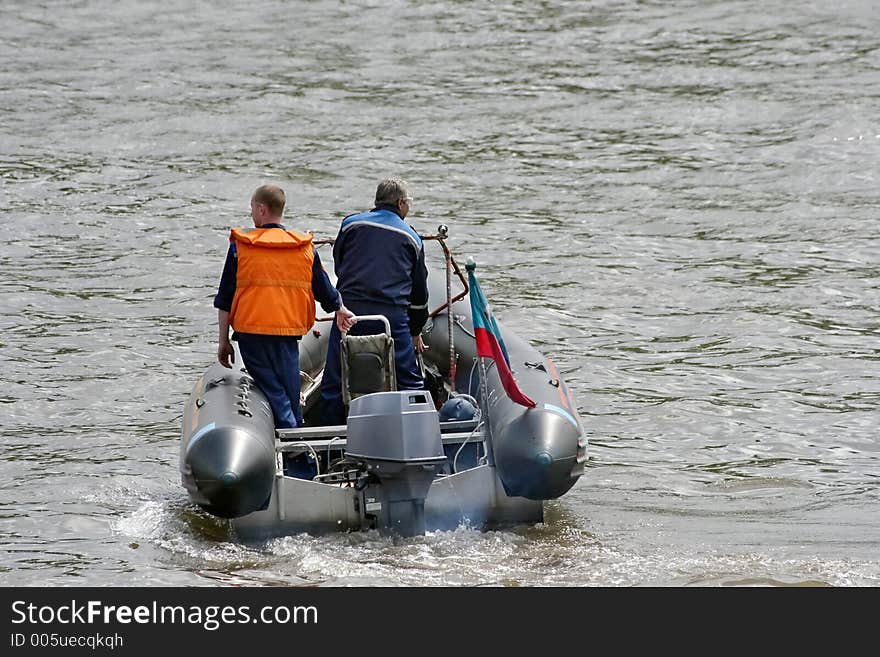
(273, 361)
(406, 366)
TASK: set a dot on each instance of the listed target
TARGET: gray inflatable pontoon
(394, 466)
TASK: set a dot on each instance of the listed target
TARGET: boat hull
(499, 472)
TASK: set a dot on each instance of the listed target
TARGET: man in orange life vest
(267, 293)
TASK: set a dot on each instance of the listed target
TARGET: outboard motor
(397, 436)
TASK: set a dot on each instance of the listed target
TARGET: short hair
(273, 196)
(390, 191)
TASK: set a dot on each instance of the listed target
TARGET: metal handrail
(442, 232)
(378, 318)
(451, 266)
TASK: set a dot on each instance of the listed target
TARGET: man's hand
(226, 354)
(344, 319)
(419, 344)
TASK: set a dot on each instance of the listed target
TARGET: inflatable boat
(462, 451)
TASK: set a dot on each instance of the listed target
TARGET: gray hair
(390, 191)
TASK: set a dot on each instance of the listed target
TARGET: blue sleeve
(338, 249)
(327, 295)
(418, 298)
(226, 289)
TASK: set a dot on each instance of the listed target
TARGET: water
(677, 201)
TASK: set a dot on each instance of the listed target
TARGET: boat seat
(367, 362)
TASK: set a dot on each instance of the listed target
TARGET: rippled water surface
(677, 201)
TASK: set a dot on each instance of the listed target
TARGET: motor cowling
(397, 436)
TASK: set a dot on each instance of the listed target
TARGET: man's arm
(329, 297)
(225, 351)
(223, 304)
(418, 298)
(226, 289)
(418, 302)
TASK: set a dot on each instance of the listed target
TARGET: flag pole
(484, 402)
(471, 266)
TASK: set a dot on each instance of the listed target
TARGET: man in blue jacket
(380, 268)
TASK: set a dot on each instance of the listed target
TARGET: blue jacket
(379, 259)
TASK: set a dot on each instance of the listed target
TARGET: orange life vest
(273, 287)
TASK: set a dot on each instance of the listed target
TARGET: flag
(489, 342)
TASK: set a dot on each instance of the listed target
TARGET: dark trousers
(273, 361)
(406, 366)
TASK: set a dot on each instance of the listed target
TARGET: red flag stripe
(488, 347)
